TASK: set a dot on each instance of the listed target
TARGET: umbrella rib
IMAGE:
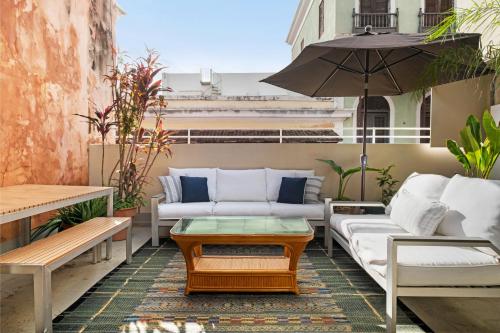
(341, 65)
(376, 70)
(390, 72)
(332, 74)
(386, 56)
(359, 61)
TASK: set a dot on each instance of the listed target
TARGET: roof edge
(298, 20)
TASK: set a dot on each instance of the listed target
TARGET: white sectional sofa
(236, 193)
(461, 259)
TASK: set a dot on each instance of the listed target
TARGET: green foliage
(70, 216)
(344, 177)
(387, 184)
(480, 146)
(467, 62)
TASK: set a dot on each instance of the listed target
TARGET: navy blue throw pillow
(194, 189)
(292, 190)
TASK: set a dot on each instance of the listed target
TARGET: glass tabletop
(233, 225)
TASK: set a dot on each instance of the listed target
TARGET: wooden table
(242, 273)
(21, 202)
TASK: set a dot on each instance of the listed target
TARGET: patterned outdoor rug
(147, 296)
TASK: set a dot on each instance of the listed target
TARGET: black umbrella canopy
(393, 61)
(367, 65)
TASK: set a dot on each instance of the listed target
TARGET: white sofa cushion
(209, 173)
(172, 188)
(274, 176)
(241, 185)
(417, 215)
(428, 266)
(310, 211)
(346, 225)
(474, 209)
(313, 189)
(425, 185)
(242, 209)
(178, 209)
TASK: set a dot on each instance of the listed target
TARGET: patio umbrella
(366, 65)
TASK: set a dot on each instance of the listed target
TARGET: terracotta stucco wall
(53, 55)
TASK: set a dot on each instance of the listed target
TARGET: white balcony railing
(302, 135)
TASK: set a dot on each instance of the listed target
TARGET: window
(302, 44)
(321, 18)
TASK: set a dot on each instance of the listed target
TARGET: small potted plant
(344, 178)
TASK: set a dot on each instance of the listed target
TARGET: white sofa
(446, 264)
(236, 193)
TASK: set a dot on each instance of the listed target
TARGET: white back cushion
(241, 185)
(274, 176)
(209, 173)
(424, 185)
(474, 209)
(417, 215)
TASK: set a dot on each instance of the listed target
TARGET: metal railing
(380, 22)
(302, 135)
(429, 20)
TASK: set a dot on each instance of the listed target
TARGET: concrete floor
(71, 281)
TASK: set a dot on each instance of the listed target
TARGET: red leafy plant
(135, 92)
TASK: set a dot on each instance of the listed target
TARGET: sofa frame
(156, 222)
(390, 285)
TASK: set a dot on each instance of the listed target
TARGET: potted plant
(135, 92)
(480, 146)
(67, 217)
(387, 184)
(344, 178)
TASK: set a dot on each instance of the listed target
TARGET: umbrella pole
(364, 157)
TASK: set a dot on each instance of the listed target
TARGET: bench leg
(155, 236)
(129, 244)
(329, 242)
(109, 248)
(43, 300)
(97, 254)
(391, 306)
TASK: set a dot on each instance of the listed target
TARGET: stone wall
(52, 61)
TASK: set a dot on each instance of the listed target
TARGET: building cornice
(298, 20)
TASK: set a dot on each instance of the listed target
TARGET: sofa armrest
(158, 197)
(332, 204)
(396, 241)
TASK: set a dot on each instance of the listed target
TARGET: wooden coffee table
(242, 273)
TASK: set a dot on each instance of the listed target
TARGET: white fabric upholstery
(346, 225)
(428, 266)
(311, 211)
(209, 173)
(273, 182)
(426, 185)
(178, 209)
(474, 209)
(242, 208)
(417, 215)
(241, 185)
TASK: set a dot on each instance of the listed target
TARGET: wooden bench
(42, 257)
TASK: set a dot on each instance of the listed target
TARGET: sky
(225, 35)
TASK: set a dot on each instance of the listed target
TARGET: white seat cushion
(178, 209)
(347, 225)
(241, 185)
(428, 266)
(310, 211)
(209, 173)
(425, 185)
(474, 209)
(242, 208)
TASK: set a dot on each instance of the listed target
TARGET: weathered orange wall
(53, 54)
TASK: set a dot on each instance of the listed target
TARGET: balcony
(380, 22)
(429, 20)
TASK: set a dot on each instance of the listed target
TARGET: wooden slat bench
(42, 257)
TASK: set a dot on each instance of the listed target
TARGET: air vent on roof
(206, 76)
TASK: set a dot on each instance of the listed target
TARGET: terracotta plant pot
(125, 212)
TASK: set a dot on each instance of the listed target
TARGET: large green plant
(344, 177)
(480, 146)
(70, 216)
